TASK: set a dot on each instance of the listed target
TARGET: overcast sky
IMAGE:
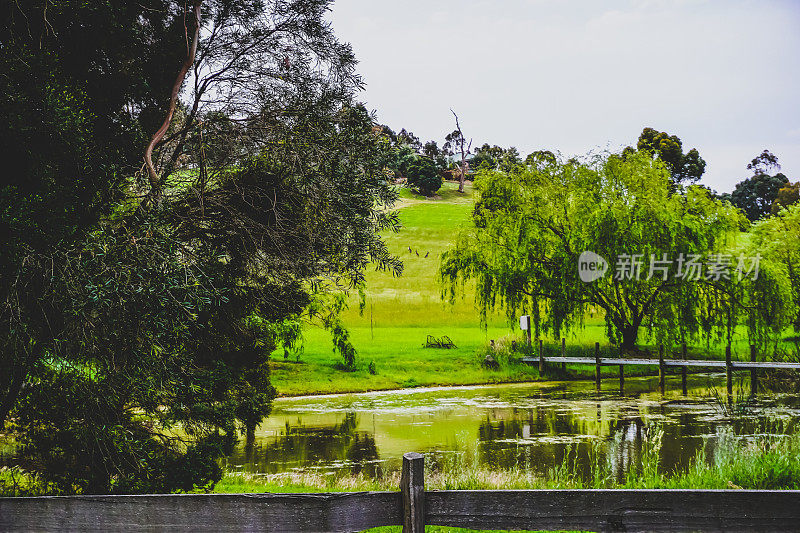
(576, 76)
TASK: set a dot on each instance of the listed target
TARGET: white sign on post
(525, 322)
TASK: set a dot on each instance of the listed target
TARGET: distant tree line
(764, 193)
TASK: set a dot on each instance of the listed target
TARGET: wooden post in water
(412, 487)
(661, 368)
(622, 379)
(541, 359)
(683, 370)
(597, 366)
(563, 353)
(753, 373)
(729, 371)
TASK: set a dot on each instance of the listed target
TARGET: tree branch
(155, 182)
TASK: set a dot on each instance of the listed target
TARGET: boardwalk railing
(728, 364)
(413, 507)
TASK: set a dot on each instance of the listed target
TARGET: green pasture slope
(402, 311)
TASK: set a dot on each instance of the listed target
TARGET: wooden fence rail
(413, 507)
(662, 363)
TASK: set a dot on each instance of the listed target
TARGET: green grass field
(413, 299)
(402, 311)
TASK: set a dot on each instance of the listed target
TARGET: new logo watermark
(591, 266)
(693, 267)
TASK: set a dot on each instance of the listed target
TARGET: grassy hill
(402, 311)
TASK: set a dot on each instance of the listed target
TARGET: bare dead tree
(464, 152)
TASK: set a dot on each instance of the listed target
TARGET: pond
(530, 426)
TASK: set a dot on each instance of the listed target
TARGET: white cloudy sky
(573, 76)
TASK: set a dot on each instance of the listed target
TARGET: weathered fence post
(528, 333)
(597, 366)
(753, 372)
(683, 371)
(541, 358)
(661, 368)
(412, 486)
(563, 353)
(729, 371)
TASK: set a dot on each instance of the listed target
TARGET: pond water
(531, 426)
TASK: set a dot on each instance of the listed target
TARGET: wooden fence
(663, 364)
(413, 507)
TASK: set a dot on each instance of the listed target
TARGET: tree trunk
(630, 334)
(10, 397)
(464, 164)
(155, 181)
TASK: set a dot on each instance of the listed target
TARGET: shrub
(423, 174)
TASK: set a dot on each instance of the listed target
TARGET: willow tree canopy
(662, 250)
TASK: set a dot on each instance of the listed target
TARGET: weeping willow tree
(778, 239)
(531, 227)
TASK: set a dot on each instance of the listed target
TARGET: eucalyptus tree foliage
(532, 225)
(257, 62)
(756, 195)
(134, 340)
(154, 332)
(307, 208)
(684, 168)
(153, 360)
(788, 195)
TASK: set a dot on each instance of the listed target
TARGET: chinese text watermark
(691, 267)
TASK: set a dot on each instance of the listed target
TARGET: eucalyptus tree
(533, 226)
(139, 313)
(431, 150)
(493, 157)
(408, 138)
(256, 62)
(788, 195)
(756, 195)
(684, 168)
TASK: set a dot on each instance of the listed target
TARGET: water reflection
(535, 427)
(338, 446)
